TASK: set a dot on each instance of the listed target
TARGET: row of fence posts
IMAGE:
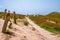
(6, 19)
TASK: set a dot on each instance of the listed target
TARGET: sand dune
(22, 32)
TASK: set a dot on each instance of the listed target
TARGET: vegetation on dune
(1, 14)
(44, 21)
(54, 14)
(18, 16)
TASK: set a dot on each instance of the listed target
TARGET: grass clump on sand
(10, 26)
(26, 23)
(8, 32)
(33, 29)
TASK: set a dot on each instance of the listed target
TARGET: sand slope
(30, 32)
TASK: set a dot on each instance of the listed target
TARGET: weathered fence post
(14, 17)
(6, 22)
(5, 11)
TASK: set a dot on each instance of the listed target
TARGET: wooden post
(14, 17)
(6, 22)
(5, 11)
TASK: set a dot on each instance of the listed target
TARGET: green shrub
(57, 29)
(51, 29)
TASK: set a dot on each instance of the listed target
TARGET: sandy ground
(30, 32)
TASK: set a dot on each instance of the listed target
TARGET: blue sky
(42, 7)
